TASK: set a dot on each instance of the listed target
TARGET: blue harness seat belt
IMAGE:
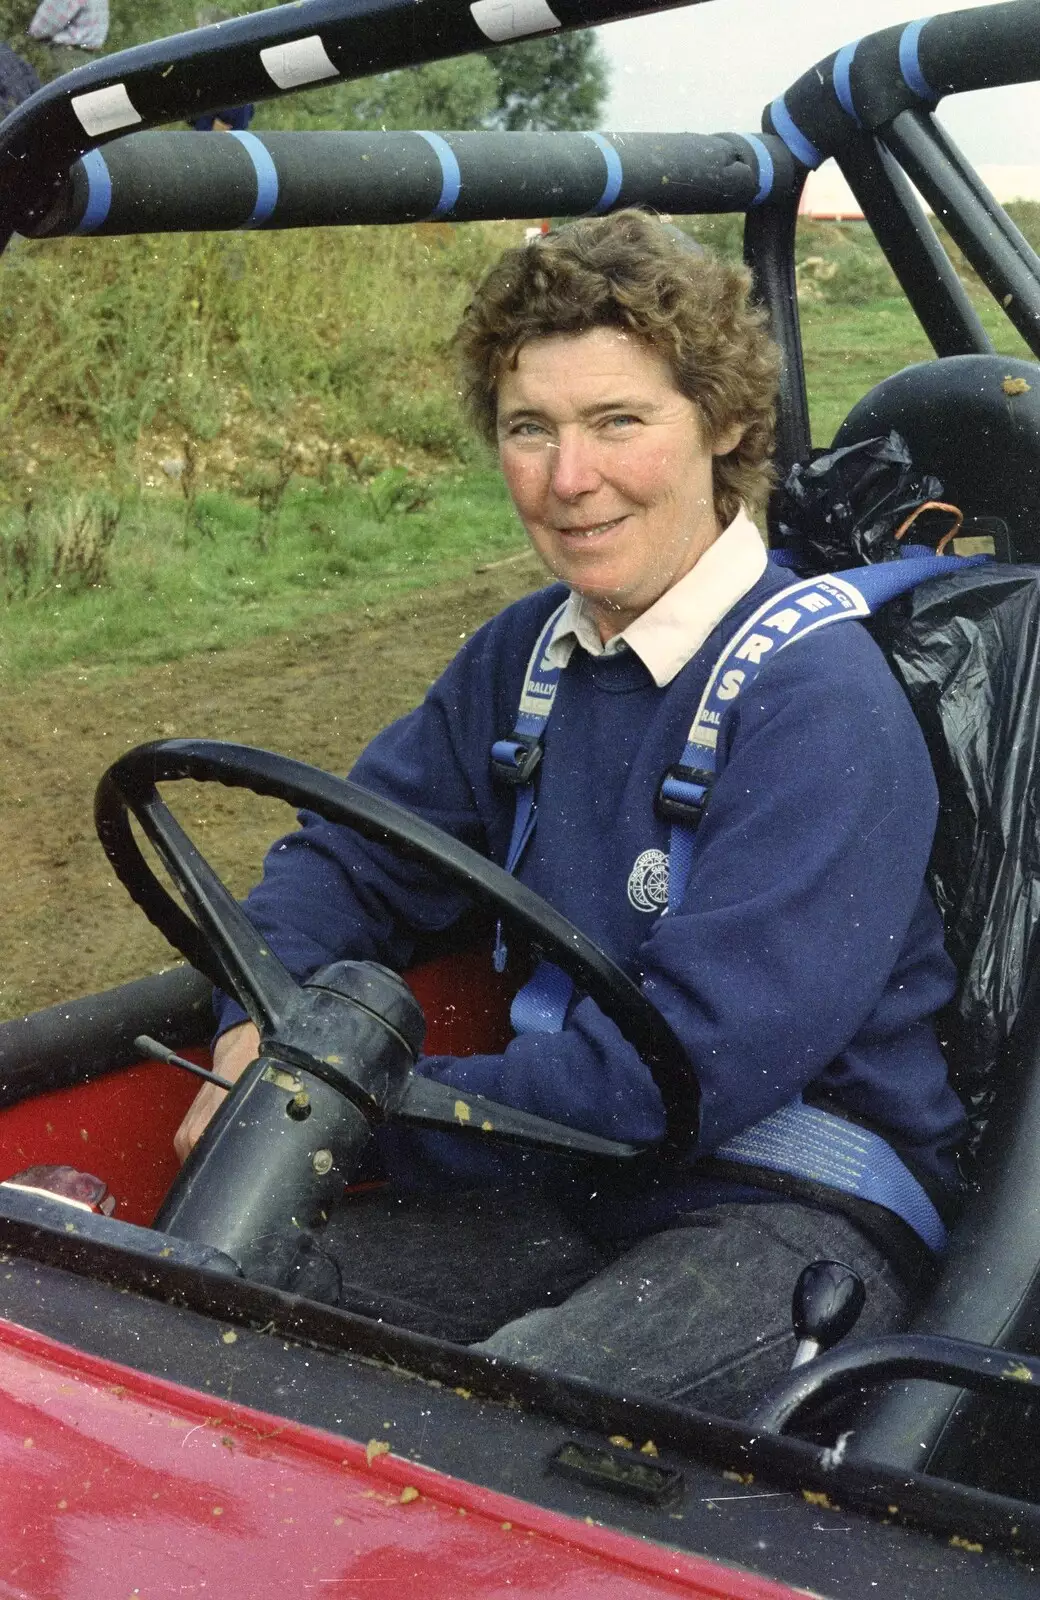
(805, 1142)
(796, 611)
(514, 761)
(799, 1140)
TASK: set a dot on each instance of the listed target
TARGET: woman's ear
(728, 439)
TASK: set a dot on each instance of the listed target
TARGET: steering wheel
(221, 942)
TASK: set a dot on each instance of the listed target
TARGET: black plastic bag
(967, 651)
(843, 507)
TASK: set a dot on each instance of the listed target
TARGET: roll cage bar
(869, 105)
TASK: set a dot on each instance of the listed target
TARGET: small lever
(158, 1052)
(826, 1304)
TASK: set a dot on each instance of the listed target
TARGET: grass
(302, 385)
(857, 328)
(224, 578)
(122, 335)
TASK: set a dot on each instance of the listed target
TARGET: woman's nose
(574, 465)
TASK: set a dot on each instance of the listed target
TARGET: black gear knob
(826, 1304)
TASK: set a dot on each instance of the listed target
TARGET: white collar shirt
(669, 633)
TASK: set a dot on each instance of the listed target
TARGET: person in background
(232, 119)
(18, 80)
(65, 34)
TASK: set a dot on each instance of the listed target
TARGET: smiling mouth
(590, 532)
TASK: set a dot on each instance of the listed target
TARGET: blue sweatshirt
(807, 954)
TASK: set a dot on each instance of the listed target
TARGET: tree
(559, 81)
(442, 94)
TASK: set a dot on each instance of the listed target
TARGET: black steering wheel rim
(129, 788)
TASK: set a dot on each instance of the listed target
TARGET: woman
(628, 387)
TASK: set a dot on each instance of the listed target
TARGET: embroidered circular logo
(648, 881)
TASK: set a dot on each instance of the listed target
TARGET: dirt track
(68, 927)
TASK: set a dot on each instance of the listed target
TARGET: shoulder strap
(800, 609)
(514, 761)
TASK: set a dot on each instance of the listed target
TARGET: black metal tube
(986, 201)
(848, 1368)
(82, 1039)
(925, 272)
(980, 48)
(257, 57)
(166, 182)
(914, 65)
(995, 258)
(769, 251)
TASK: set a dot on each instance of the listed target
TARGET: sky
(711, 68)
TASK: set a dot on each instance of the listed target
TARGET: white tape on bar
(104, 110)
(499, 20)
(302, 61)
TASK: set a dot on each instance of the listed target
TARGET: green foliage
(841, 263)
(157, 19)
(185, 332)
(336, 547)
(443, 94)
(557, 81)
(65, 546)
(15, 16)
(1025, 214)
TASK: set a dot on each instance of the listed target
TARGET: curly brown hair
(631, 271)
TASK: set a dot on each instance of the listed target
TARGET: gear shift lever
(827, 1301)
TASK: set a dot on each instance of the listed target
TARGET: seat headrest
(973, 421)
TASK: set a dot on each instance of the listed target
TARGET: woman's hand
(235, 1051)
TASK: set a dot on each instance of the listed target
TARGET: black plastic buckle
(676, 809)
(520, 767)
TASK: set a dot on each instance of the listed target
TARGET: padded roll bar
(253, 58)
(170, 182)
(78, 1040)
(864, 86)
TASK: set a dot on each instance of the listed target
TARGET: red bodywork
(121, 1486)
(129, 1487)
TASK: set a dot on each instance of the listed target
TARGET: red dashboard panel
(121, 1126)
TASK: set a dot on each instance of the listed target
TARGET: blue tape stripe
(843, 81)
(910, 61)
(451, 177)
(766, 170)
(614, 173)
(99, 192)
(266, 178)
(800, 147)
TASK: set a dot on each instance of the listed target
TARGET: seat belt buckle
(514, 761)
(684, 794)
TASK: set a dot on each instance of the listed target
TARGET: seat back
(973, 421)
(968, 652)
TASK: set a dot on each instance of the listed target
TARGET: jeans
(701, 1314)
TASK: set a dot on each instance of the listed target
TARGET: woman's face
(609, 468)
